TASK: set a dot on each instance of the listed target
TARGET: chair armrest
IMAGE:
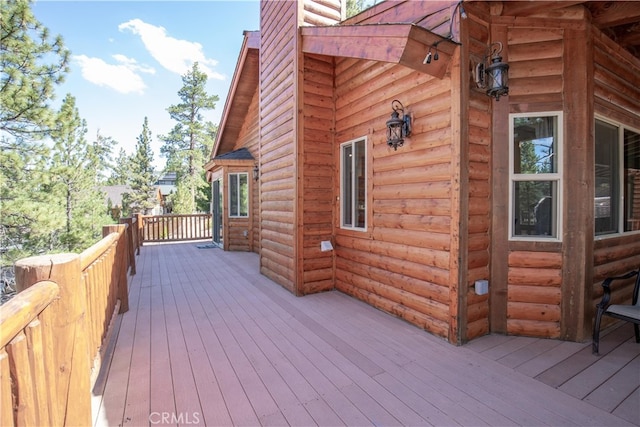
(606, 285)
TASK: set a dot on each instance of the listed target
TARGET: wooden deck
(210, 341)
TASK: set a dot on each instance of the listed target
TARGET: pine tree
(141, 174)
(75, 171)
(120, 169)
(30, 220)
(185, 147)
(100, 153)
(32, 64)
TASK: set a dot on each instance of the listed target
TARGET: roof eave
(405, 44)
(250, 45)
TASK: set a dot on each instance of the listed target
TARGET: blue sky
(128, 58)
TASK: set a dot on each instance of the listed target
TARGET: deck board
(210, 341)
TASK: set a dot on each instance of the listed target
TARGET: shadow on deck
(210, 341)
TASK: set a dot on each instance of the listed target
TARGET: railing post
(121, 267)
(131, 242)
(70, 331)
(140, 230)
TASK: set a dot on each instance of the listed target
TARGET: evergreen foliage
(120, 169)
(32, 64)
(354, 7)
(189, 142)
(30, 221)
(75, 175)
(141, 174)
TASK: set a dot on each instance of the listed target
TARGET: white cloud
(173, 54)
(123, 77)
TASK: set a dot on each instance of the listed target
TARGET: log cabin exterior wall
(289, 233)
(278, 135)
(617, 98)
(438, 208)
(479, 135)
(535, 55)
(318, 167)
(401, 263)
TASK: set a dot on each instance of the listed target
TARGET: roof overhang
(404, 44)
(243, 87)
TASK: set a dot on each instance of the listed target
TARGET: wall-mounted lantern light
(398, 127)
(256, 172)
(492, 74)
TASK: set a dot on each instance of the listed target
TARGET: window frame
(238, 194)
(555, 177)
(620, 220)
(354, 210)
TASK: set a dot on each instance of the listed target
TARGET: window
(535, 172)
(238, 195)
(353, 185)
(617, 179)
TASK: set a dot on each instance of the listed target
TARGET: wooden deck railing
(52, 333)
(166, 228)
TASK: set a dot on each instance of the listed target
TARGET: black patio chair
(627, 312)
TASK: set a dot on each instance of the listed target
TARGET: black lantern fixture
(493, 76)
(256, 172)
(398, 127)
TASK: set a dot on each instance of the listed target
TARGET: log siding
(401, 263)
(278, 184)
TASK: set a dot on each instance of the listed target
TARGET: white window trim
(557, 177)
(366, 190)
(621, 127)
(229, 194)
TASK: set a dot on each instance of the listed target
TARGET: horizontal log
(430, 155)
(535, 50)
(535, 294)
(426, 190)
(307, 288)
(24, 307)
(540, 86)
(534, 276)
(536, 68)
(95, 251)
(426, 306)
(528, 259)
(437, 224)
(612, 254)
(622, 266)
(528, 35)
(282, 279)
(414, 206)
(419, 287)
(431, 325)
(478, 312)
(317, 274)
(393, 267)
(430, 257)
(533, 311)
(425, 239)
(533, 328)
(477, 329)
